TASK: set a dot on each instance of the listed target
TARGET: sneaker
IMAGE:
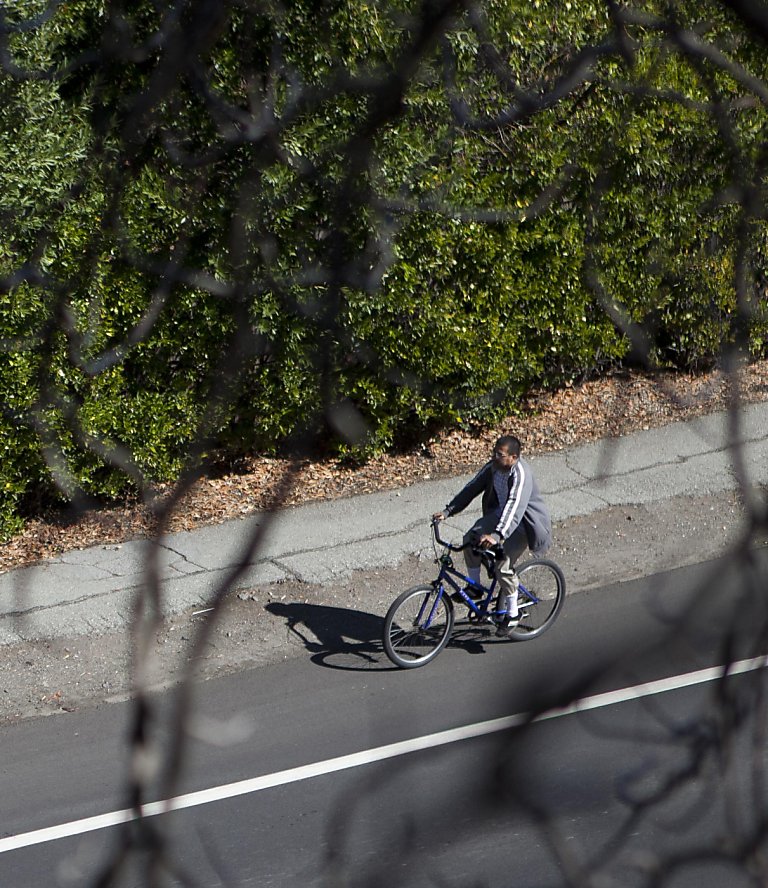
(506, 625)
(470, 591)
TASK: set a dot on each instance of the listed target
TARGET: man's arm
(470, 490)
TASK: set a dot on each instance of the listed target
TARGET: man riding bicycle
(514, 517)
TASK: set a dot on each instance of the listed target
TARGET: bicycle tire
(408, 642)
(545, 579)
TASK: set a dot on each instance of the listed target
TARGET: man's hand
(487, 541)
(438, 516)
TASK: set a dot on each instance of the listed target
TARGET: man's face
(503, 459)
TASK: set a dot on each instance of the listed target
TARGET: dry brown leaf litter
(609, 407)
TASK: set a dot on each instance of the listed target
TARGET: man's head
(506, 452)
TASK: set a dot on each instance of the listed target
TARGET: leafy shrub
(185, 289)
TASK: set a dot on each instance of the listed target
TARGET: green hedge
(470, 299)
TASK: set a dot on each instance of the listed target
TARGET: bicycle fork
(419, 621)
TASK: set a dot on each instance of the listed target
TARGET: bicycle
(419, 622)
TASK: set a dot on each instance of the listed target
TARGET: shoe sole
(504, 633)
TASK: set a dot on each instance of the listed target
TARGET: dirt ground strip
(340, 626)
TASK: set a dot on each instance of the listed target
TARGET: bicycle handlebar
(435, 525)
(496, 550)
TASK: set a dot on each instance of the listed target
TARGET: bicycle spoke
(540, 598)
(417, 626)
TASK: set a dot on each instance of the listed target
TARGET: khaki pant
(514, 547)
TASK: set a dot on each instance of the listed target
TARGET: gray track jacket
(524, 504)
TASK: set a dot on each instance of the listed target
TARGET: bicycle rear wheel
(538, 610)
(417, 626)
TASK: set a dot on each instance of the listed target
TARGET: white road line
(369, 756)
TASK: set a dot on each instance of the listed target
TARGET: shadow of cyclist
(337, 637)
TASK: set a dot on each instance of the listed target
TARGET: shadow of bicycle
(337, 637)
(341, 638)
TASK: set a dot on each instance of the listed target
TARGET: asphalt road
(521, 806)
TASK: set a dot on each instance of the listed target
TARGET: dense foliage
(234, 227)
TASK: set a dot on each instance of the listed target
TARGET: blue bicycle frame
(453, 578)
(419, 622)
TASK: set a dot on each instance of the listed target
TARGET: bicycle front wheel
(417, 626)
(540, 599)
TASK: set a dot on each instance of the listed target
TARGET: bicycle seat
(489, 557)
(493, 552)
